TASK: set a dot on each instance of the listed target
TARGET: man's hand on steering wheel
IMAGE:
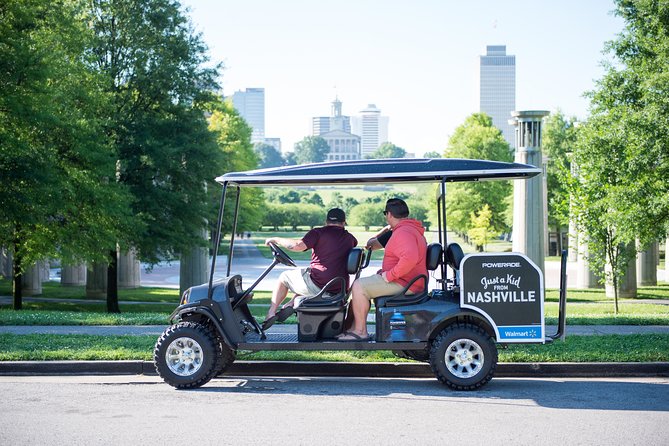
(279, 254)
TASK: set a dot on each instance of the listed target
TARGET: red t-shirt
(330, 246)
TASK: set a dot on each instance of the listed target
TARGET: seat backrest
(433, 257)
(354, 261)
(454, 255)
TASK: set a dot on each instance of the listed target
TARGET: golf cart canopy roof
(404, 170)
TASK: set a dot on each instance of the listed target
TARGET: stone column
(96, 281)
(528, 196)
(194, 266)
(128, 270)
(31, 280)
(586, 277)
(73, 275)
(646, 265)
(666, 260)
(573, 242)
(627, 286)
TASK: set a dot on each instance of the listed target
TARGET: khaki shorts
(299, 282)
(375, 286)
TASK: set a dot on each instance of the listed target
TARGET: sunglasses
(385, 212)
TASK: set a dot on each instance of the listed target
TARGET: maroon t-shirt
(330, 246)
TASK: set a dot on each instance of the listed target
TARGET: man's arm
(288, 243)
(374, 242)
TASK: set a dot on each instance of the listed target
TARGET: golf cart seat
(322, 316)
(454, 256)
(432, 261)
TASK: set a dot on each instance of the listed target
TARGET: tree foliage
(481, 231)
(620, 188)
(558, 140)
(478, 139)
(388, 150)
(55, 157)
(312, 149)
(268, 156)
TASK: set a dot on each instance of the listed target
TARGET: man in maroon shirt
(330, 245)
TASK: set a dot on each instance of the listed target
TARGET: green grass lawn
(614, 348)
(584, 307)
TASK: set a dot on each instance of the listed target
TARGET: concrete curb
(343, 369)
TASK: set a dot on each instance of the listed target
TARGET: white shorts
(299, 282)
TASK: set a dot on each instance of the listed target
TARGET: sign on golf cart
(486, 298)
(508, 290)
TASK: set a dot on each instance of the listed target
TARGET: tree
(558, 140)
(268, 156)
(388, 150)
(312, 149)
(481, 231)
(156, 76)
(289, 159)
(478, 139)
(233, 138)
(54, 155)
(432, 155)
(620, 185)
(367, 214)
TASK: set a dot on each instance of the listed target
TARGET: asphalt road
(89, 410)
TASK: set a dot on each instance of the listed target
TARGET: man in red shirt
(403, 260)
(330, 245)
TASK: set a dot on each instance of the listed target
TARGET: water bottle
(397, 326)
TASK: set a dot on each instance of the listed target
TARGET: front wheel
(463, 357)
(188, 355)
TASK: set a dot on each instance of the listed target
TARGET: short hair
(397, 208)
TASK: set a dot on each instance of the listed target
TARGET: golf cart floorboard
(288, 341)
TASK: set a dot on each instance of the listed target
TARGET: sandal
(284, 313)
(352, 337)
(268, 322)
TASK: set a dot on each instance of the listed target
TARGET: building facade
(336, 121)
(497, 90)
(372, 129)
(251, 106)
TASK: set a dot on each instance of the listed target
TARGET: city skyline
(417, 62)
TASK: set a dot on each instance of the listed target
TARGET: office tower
(372, 128)
(498, 89)
(251, 106)
(336, 121)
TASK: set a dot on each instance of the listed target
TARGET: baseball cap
(336, 215)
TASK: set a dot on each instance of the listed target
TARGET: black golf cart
(486, 299)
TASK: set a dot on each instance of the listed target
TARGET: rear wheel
(463, 357)
(188, 355)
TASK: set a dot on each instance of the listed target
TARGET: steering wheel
(280, 255)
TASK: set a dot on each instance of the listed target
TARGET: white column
(31, 281)
(193, 268)
(128, 270)
(585, 276)
(646, 265)
(627, 286)
(96, 281)
(73, 275)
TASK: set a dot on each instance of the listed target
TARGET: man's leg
(278, 295)
(360, 306)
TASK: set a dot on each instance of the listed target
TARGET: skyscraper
(498, 89)
(251, 106)
(372, 128)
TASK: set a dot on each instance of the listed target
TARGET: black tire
(463, 357)
(188, 355)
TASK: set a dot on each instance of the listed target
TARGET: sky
(416, 60)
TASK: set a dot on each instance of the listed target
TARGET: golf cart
(484, 300)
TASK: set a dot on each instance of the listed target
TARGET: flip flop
(284, 313)
(352, 337)
(268, 322)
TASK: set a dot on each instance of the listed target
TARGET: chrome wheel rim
(464, 358)
(184, 356)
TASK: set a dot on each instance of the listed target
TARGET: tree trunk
(112, 283)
